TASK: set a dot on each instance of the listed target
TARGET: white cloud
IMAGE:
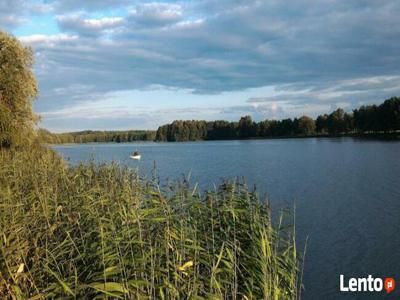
(41, 8)
(52, 39)
(88, 26)
(103, 23)
(10, 13)
(347, 94)
(88, 23)
(313, 55)
(157, 14)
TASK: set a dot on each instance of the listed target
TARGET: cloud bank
(297, 55)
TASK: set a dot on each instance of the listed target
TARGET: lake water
(346, 192)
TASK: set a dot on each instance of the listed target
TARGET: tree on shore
(247, 128)
(18, 88)
(306, 125)
(372, 118)
(366, 119)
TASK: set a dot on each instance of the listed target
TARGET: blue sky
(120, 64)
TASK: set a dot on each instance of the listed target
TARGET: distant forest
(384, 118)
(371, 119)
(89, 136)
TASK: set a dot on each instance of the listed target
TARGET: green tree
(373, 118)
(264, 128)
(306, 126)
(322, 123)
(285, 127)
(366, 118)
(18, 88)
(220, 130)
(247, 128)
(348, 122)
(161, 134)
(390, 114)
(336, 122)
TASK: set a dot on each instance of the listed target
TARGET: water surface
(346, 193)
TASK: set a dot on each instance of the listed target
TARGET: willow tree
(18, 89)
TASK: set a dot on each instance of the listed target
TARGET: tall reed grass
(101, 232)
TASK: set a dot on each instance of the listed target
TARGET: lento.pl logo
(369, 284)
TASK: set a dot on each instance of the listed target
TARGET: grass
(101, 232)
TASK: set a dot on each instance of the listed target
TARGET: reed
(102, 232)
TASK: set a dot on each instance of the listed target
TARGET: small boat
(135, 155)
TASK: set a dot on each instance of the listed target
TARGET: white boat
(135, 155)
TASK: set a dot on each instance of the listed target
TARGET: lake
(346, 192)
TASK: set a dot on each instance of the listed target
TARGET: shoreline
(394, 136)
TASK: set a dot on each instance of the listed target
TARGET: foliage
(182, 131)
(383, 118)
(367, 119)
(306, 126)
(373, 118)
(17, 90)
(247, 128)
(90, 136)
(102, 232)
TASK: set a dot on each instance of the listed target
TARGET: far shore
(373, 136)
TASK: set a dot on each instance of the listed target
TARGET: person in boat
(136, 153)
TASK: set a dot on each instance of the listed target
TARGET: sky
(120, 64)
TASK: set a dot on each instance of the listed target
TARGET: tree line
(383, 118)
(90, 136)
